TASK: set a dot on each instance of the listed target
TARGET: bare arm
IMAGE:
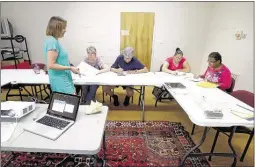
(52, 57)
(104, 69)
(165, 68)
(186, 67)
(116, 70)
(144, 70)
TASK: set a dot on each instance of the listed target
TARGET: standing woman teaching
(56, 57)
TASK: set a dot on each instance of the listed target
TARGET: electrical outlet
(240, 35)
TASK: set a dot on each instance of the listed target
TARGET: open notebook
(207, 84)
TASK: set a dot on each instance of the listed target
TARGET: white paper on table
(87, 69)
(7, 129)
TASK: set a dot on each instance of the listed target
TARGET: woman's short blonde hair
(55, 26)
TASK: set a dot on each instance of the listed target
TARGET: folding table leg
(41, 92)
(20, 94)
(247, 146)
(230, 145)
(190, 154)
(214, 143)
(27, 91)
(44, 88)
(32, 89)
(7, 94)
(193, 129)
(142, 101)
(194, 148)
(104, 144)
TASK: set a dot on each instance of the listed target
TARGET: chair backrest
(23, 65)
(244, 96)
(230, 90)
(160, 69)
(41, 65)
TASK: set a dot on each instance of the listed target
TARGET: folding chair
(248, 98)
(229, 90)
(161, 93)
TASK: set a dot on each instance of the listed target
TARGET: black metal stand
(19, 39)
(190, 154)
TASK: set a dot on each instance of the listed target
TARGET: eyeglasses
(210, 61)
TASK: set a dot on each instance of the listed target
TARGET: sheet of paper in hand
(87, 69)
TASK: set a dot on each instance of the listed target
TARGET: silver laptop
(174, 85)
(61, 115)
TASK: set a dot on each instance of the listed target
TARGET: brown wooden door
(137, 32)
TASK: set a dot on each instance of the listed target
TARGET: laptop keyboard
(53, 122)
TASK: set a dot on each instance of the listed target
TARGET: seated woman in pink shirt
(217, 72)
(176, 63)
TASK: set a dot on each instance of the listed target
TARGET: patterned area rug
(128, 143)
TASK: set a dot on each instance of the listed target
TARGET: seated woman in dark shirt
(126, 62)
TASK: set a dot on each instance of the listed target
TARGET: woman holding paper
(176, 63)
(217, 72)
(59, 69)
(89, 91)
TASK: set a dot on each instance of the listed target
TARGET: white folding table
(193, 97)
(28, 77)
(85, 136)
(189, 99)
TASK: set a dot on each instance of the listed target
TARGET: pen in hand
(120, 69)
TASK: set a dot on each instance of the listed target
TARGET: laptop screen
(64, 105)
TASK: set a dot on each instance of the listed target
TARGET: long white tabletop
(194, 98)
(27, 76)
(189, 99)
(84, 137)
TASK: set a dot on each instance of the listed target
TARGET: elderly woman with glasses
(176, 63)
(217, 72)
(126, 62)
(89, 91)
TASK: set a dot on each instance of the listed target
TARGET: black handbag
(157, 91)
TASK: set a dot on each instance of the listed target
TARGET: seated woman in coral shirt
(217, 72)
(176, 63)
